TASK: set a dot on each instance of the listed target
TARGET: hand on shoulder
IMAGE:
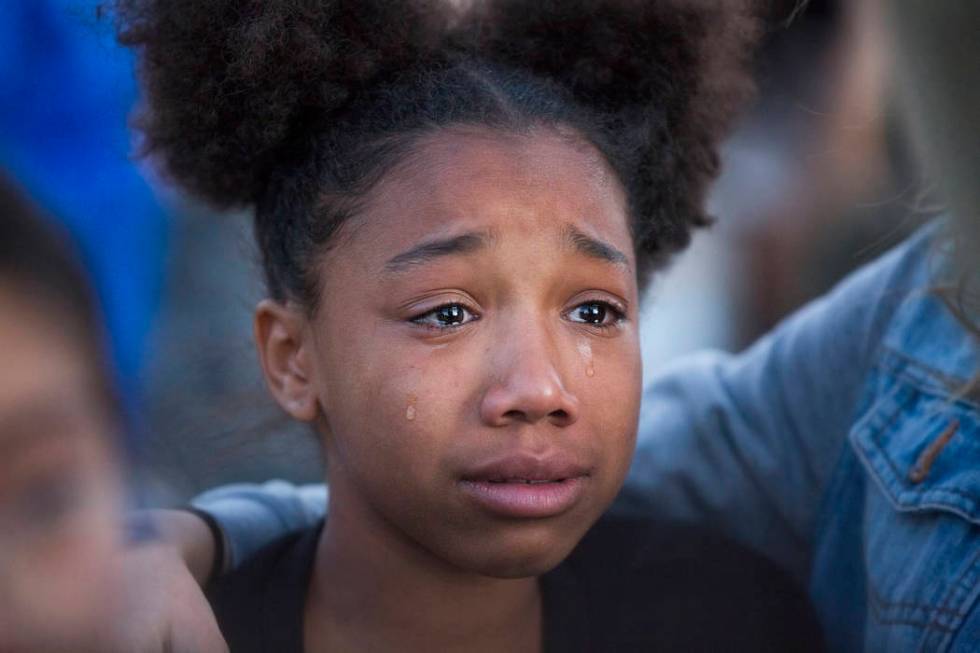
(166, 609)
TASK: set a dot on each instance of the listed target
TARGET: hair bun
(617, 55)
(228, 83)
(673, 73)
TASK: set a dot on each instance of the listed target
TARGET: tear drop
(410, 411)
(585, 349)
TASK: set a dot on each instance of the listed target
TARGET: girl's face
(473, 364)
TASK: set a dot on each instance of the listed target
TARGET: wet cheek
(403, 401)
(612, 405)
(416, 405)
(426, 398)
(411, 409)
(587, 358)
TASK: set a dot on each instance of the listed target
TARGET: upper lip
(523, 466)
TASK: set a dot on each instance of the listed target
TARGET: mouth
(525, 480)
(527, 487)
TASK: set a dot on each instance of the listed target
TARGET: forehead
(521, 184)
(43, 363)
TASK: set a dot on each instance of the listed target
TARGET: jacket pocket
(921, 527)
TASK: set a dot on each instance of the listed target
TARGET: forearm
(192, 539)
(165, 566)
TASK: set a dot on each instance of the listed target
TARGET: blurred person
(842, 444)
(939, 66)
(60, 487)
(73, 577)
(849, 187)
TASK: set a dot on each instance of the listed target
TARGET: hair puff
(229, 83)
(671, 74)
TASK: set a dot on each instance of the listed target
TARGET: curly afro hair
(298, 107)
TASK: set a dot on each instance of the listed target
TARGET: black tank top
(630, 585)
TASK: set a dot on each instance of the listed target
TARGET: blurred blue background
(66, 90)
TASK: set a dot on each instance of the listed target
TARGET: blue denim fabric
(837, 445)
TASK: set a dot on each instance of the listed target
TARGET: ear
(284, 345)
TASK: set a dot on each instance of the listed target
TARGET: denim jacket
(837, 445)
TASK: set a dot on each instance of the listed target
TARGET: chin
(532, 552)
(512, 569)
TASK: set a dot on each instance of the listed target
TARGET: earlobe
(284, 352)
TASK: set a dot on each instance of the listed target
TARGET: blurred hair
(937, 57)
(962, 297)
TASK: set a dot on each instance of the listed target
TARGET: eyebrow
(433, 249)
(593, 247)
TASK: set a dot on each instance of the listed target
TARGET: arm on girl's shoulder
(746, 443)
(742, 443)
(253, 515)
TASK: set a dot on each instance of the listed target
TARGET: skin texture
(407, 409)
(59, 487)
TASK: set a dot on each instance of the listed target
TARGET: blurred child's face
(58, 485)
(474, 355)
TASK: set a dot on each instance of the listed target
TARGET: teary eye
(598, 314)
(592, 313)
(445, 317)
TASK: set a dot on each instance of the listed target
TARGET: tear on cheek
(410, 411)
(585, 350)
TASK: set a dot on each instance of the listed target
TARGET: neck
(373, 588)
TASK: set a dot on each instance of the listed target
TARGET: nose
(527, 384)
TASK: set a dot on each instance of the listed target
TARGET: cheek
(405, 405)
(609, 394)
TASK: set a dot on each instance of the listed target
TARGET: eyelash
(419, 319)
(617, 315)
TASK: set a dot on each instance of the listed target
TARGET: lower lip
(526, 500)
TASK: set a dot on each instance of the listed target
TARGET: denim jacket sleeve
(746, 443)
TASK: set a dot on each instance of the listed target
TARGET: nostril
(559, 415)
(555, 415)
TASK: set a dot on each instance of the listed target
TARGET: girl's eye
(445, 317)
(598, 314)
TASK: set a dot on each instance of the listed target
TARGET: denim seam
(882, 615)
(923, 376)
(902, 397)
(964, 593)
(935, 498)
(874, 423)
(904, 605)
